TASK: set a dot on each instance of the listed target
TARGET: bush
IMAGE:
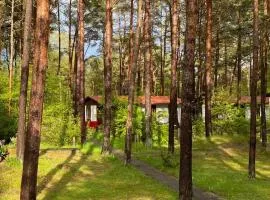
(8, 124)
(169, 160)
(159, 131)
(8, 121)
(59, 126)
(229, 119)
(120, 113)
(198, 127)
(3, 151)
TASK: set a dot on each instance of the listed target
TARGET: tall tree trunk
(1, 23)
(78, 80)
(264, 66)
(199, 84)
(226, 63)
(75, 79)
(32, 143)
(239, 57)
(208, 70)
(148, 81)
(81, 68)
(106, 148)
(188, 97)
(59, 37)
(173, 92)
(24, 78)
(120, 49)
(11, 56)
(253, 90)
(217, 56)
(134, 52)
(70, 48)
(163, 61)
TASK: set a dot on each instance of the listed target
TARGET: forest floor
(72, 174)
(219, 166)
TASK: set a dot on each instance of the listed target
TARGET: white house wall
(93, 109)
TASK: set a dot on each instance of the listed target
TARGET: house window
(93, 113)
(179, 114)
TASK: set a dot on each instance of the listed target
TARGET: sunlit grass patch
(219, 165)
(72, 175)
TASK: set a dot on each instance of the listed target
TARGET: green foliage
(229, 119)
(159, 131)
(59, 125)
(169, 160)
(120, 118)
(198, 127)
(8, 122)
(3, 152)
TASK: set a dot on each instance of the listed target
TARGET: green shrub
(3, 151)
(229, 119)
(120, 113)
(59, 126)
(159, 131)
(169, 160)
(198, 127)
(8, 124)
(8, 121)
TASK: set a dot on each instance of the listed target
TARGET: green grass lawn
(219, 166)
(65, 175)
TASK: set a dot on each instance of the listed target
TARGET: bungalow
(92, 111)
(160, 105)
(246, 101)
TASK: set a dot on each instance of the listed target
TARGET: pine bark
(226, 64)
(217, 55)
(188, 97)
(59, 37)
(264, 70)
(11, 56)
(24, 79)
(70, 48)
(253, 90)
(81, 69)
(200, 80)
(134, 53)
(208, 70)
(76, 79)
(106, 148)
(32, 142)
(173, 91)
(148, 76)
(239, 58)
(163, 57)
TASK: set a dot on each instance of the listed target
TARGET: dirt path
(165, 179)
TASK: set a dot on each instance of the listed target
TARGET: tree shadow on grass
(105, 178)
(235, 160)
(42, 185)
(66, 178)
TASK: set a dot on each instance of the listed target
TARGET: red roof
(155, 100)
(247, 100)
(97, 99)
